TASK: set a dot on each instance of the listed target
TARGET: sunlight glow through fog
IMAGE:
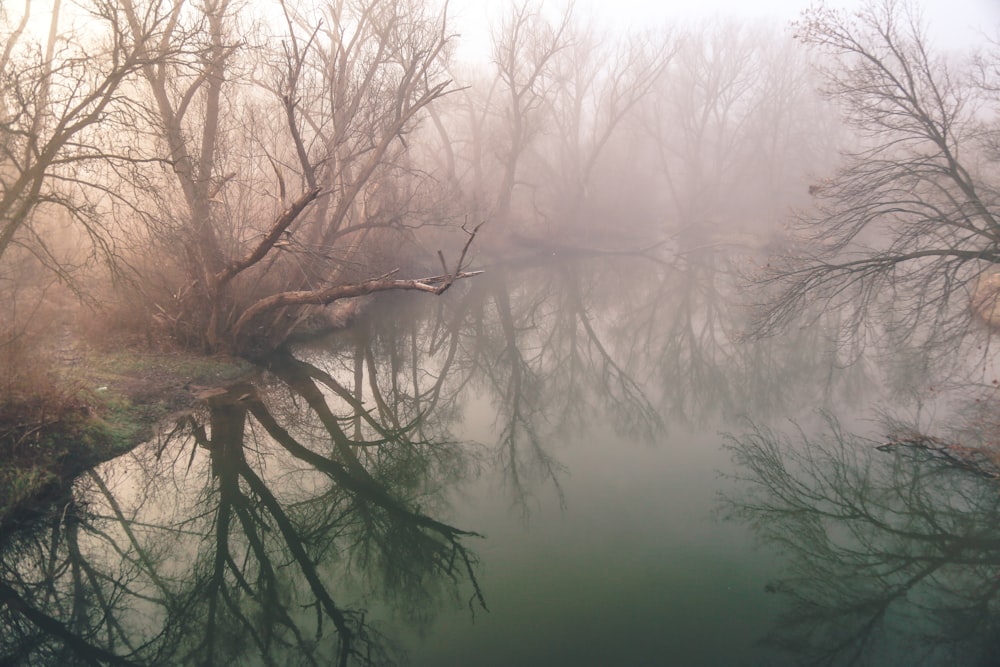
(953, 24)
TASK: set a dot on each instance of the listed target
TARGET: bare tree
(524, 52)
(269, 222)
(731, 129)
(63, 93)
(485, 134)
(536, 140)
(58, 98)
(599, 83)
(908, 225)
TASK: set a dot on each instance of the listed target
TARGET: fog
(464, 253)
(325, 148)
(953, 25)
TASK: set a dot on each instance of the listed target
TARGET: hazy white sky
(954, 23)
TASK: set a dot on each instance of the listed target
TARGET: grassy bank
(89, 407)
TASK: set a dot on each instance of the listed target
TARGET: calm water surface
(531, 471)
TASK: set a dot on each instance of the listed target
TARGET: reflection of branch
(365, 486)
(288, 362)
(141, 553)
(924, 448)
(633, 396)
(873, 533)
(517, 403)
(356, 480)
(304, 561)
(106, 601)
(226, 445)
(10, 599)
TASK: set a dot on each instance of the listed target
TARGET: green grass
(44, 440)
(99, 407)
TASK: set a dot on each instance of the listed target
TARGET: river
(563, 463)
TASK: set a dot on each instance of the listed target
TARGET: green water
(528, 471)
(634, 570)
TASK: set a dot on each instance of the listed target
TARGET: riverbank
(94, 406)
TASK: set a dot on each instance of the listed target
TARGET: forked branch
(385, 282)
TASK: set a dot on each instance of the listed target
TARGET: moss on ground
(99, 405)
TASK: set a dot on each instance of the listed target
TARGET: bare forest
(214, 175)
(220, 176)
(637, 230)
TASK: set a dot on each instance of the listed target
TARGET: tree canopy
(907, 228)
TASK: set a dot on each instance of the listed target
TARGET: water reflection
(299, 516)
(538, 348)
(892, 544)
(232, 545)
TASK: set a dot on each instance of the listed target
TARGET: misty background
(633, 326)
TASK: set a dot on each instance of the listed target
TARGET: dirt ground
(100, 404)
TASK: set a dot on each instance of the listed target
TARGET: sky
(952, 23)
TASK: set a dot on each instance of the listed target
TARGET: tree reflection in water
(262, 528)
(893, 546)
(232, 547)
